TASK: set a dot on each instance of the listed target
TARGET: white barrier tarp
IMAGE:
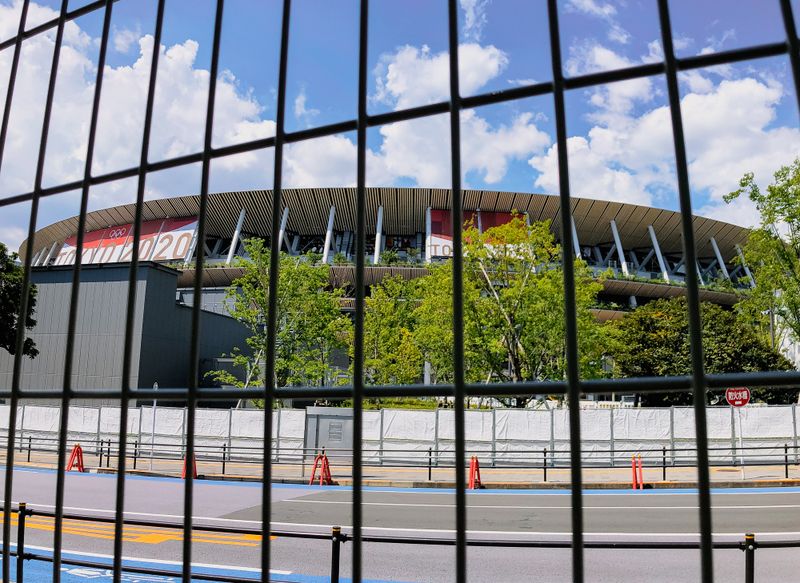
(641, 424)
(514, 434)
(84, 420)
(409, 425)
(522, 425)
(764, 422)
(293, 423)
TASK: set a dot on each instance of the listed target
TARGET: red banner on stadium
(442, 228)
(161, 240)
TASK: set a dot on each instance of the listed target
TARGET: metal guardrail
(665, 457)
(748, 545)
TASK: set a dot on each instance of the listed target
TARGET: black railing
(572, 386)
(337, 536)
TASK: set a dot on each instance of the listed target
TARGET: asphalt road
(535, 515)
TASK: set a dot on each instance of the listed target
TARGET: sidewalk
(415, 477)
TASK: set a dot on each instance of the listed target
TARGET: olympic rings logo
(118, 232)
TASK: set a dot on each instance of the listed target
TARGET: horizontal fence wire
(572, 387)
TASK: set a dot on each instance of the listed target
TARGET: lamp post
(153, 428)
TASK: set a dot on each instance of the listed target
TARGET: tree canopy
(310, 323)
(513, 312)
(654, 341)
(772, 252)
(11, 275)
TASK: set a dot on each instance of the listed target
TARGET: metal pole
(786, 461)
(544, 463)
(153, 428)
(30, 444)
(23, 510)
(336, 533)
(108, 456)
(135, 453)
(749, 548)
(430, 463)
(663, 463)
(224, 449)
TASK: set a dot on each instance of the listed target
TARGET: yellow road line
(139, 534)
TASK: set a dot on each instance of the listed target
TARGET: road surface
(498, 514)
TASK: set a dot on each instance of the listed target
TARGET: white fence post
(278, 436)
(436, 434)
(380, 440)
(611, 436)
(230, 428)
(672, 433)
(794, 427)
(552, 437)
(494, 437)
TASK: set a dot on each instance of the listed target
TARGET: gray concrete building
(161, 332)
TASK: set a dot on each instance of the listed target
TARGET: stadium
(640, 247)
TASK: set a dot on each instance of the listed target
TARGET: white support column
(480, 224)
(746, 269)
(378, 237)
(620, 251)
(51, 253)
(575, 243)
(36, 257)
(428, 235)
(699, 273)
(235, 239)
(192, 247)
(719, 258)
(661, 265)
(328, 235)
(282, 229)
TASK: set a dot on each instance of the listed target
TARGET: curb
(411, 484)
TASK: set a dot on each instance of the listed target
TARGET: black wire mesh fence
(571, 387)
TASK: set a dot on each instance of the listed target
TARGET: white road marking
(158, 561)
(637, 535)
(33, 506)
(504, 507)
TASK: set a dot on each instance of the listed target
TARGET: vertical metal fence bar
(66, 393)
(194, 349)
(458, 295)
(12, 410)
(693, 297)
(12, 78)
(132, 281)
(37, 188)
(358, 348)
(570, 316)
(794, 46)
(272, 305)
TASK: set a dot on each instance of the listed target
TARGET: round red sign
(737, 397)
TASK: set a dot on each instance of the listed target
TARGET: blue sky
(738, 118)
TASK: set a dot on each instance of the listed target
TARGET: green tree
(654, 341)
(772, 251)
(391, 356)
(513, 309)
(310, 323)
(11, 275)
